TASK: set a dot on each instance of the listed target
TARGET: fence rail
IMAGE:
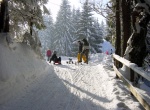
(133, 68)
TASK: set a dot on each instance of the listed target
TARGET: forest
(127, 27)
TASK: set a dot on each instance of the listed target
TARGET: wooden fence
(134, 69)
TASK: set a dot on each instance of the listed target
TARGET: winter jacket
(54, 57)
(85, 45)
(80, 47)
(49, 53)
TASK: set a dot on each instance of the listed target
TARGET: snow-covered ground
(107, 46)
(29, 83)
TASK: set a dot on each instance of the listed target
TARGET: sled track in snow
(74, 78)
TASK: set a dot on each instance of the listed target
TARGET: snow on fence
(133, 69)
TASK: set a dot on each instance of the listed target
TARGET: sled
(70, 61)
(57, 63)
(78, 63)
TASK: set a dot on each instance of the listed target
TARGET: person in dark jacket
(80, 43)
(80, 46)
(55, 59)
(85, 50)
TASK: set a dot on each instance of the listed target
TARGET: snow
(29, 83)
(107, 46)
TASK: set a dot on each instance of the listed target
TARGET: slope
(19, 65)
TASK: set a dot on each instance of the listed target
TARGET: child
(48, 54)
(55, 59)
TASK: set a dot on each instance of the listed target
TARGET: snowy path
(74, 87)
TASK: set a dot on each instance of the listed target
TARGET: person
(107, 53)
(111, 52)
(55, 59)
(79, 52)
(85, 50)
(48, 54)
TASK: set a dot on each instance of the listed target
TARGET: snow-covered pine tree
(76, 15)
(63, 30)
(29, 12)
(87, 28)
(85, 22)
(29, 18)
(98, 37)
(46, 35)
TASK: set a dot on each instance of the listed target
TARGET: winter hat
(84, 40)
(54, 52)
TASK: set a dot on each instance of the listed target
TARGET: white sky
(55, 5)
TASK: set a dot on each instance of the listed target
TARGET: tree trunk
(4, 16)
(126, 21)
(118, 31)
(31, 26)
(138, 51)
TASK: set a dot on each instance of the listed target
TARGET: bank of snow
(107, 46)
(19, 65)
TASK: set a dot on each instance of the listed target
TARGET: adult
(85, 50)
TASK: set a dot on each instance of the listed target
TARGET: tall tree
(97, 37)
(4, 16)
(63, 29)
(76, 15)
(136, 50)
(88, 28)
(118, 32)
(126, 23)
(85, 22)
(46, 35)
(118, 29)
(29, 14)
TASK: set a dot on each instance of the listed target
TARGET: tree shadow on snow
(101, 99)
(48, 92)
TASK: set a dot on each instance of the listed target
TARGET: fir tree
(98, 37)
(76, 15)
(63, 30)
(46, 35)
(88, 29)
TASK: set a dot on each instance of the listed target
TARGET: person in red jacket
(107, 53)
(48, 55)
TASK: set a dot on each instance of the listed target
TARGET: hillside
(29, 83)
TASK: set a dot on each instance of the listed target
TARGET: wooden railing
(133, 69)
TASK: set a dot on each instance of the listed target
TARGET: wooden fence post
(131, 77)
(117, 66)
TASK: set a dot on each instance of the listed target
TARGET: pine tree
(85, 22)
(88, 29)
(29, 15)
(46, 35)
(63, 30)
(76, 15)
(98, 37)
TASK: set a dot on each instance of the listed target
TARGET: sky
(55, 5)
(30, 83)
